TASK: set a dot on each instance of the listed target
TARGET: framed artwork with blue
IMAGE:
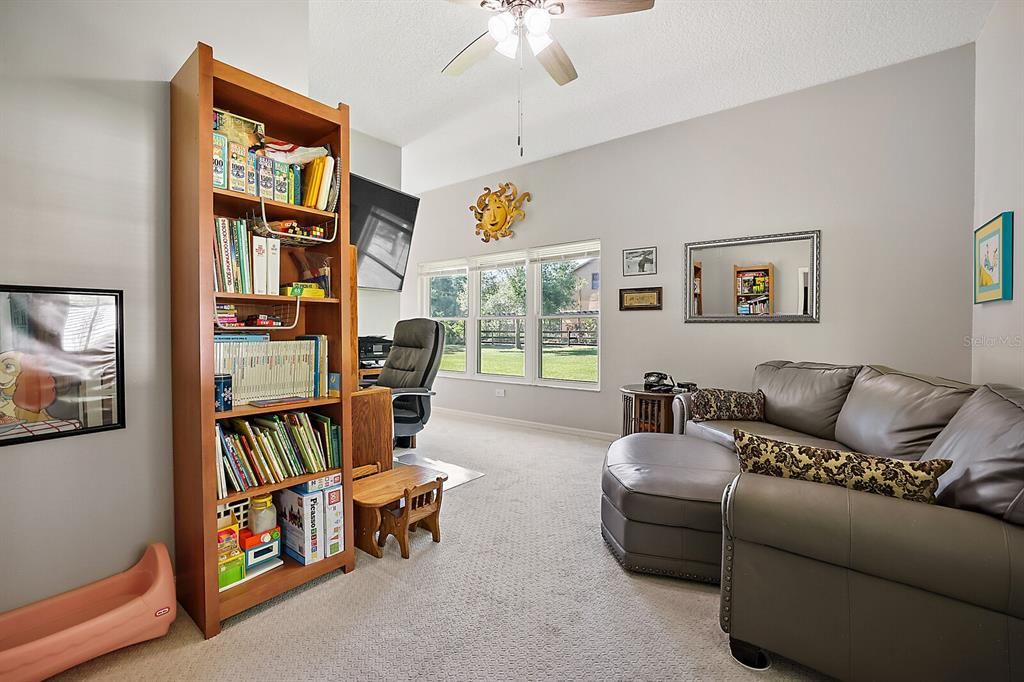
(993, 260)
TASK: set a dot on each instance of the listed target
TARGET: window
(501, 348)
(568, 319)
(531, 316)
(447, 303)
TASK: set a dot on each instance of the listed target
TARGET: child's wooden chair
(421, 506)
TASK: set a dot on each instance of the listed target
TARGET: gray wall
(998, 334)
(382, 162)
(84, 105)
(882, 163)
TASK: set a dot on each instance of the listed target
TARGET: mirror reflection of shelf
(754, 289)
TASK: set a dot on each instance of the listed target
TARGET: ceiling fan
(516, 21)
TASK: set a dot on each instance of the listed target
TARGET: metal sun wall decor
(496, 210)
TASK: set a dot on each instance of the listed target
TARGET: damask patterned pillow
(718, 403)
(907, 480)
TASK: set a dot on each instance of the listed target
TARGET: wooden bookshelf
(201, 84)
(763, 297)
(226, 201)
(252, 410)
(273, 487)
(269, 298)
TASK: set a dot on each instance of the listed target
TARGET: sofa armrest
(682, 408)
(963, 555)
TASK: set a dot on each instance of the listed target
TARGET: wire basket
(264, 228)
(287, 313)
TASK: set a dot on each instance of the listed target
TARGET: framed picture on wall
(642, 261)
(645, 298)
(61, 364)
(993, 260)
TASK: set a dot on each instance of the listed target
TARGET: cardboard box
(220, 161)
(238, 157)
(301, 517)
(334, 521)
(322, 483)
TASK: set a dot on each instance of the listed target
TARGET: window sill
(520, 381)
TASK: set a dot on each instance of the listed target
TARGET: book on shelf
(245, 263)
(271, 449)
(320, 367)
(262, 369)
(273, 265)
(323, 194)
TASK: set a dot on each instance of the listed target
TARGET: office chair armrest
(416, 390)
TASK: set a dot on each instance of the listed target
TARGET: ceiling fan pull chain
(519, 137)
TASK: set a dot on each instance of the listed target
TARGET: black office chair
(409, 372)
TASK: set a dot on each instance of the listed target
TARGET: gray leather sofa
(856, 585)
(661, 508)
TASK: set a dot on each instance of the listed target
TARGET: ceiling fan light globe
(508, 47)
(501, 26)
(538, 43)
(537, 21)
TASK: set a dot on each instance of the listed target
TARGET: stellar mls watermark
(1007, 341)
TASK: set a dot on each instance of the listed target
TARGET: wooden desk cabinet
(372, 427)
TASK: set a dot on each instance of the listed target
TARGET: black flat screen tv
(381, 224)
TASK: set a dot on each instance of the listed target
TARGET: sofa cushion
(896, 414)
(719, 403)
(804, 396)
(985, 440)
(669, 480)
(721, 431)
(912, 481)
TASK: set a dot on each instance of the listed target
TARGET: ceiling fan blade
(557, 63)
(582, 9)
(475, 52)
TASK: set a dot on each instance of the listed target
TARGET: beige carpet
(521, 587)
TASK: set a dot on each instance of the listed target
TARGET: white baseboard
(554, 428)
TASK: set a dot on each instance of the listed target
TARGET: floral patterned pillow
(718, 403)
(907, 480)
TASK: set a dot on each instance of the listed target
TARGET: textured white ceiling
(684, 58)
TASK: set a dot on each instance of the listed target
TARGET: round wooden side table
(646, 411)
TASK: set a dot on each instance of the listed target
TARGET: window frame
(532, 260)
(425, 307)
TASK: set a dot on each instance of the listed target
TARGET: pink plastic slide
(42, 639)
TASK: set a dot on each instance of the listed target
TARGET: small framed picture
(61, 368)
(644, 298)
(643, 261)
(993, 260)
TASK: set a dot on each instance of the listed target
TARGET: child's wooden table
(373, 493)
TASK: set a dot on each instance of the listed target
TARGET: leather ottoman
(661, 508)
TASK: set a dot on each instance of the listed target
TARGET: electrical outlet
(499, 393)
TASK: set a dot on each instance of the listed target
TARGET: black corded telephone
(658, 382)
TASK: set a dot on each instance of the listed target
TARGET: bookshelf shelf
(272, 487)
(235, 203)
(267, 298)
(252, 410)
(749, 304)
(201, 84)
(275, 582)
